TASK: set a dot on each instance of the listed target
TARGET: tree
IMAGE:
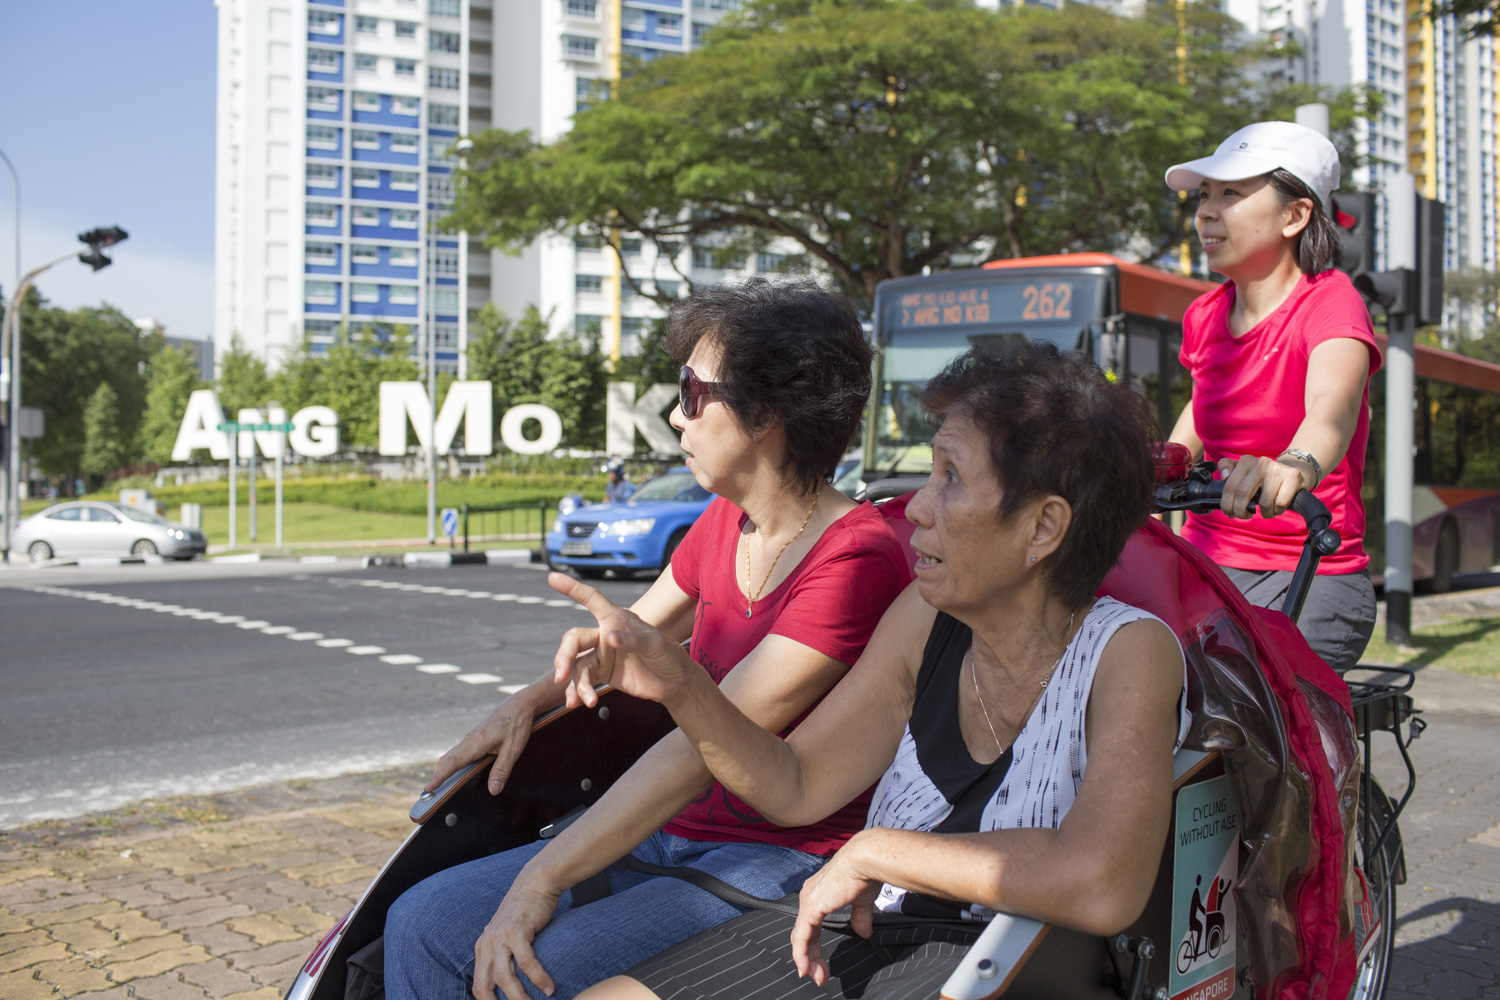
(353, 368)
(1476, 18)
(883, 137)
(171, 377)
(526, 364)
(651, 364)
(106, 447)
(66, 356)
(244, 382)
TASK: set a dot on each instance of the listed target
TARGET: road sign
(450, 521)
(232, 426)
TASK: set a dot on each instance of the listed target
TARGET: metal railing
(506, 522)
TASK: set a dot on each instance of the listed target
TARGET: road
(146, 681)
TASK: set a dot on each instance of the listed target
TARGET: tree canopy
(883, 137)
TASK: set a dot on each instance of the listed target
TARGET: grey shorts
(1338, 616)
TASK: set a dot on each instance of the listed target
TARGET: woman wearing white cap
(1281, 356)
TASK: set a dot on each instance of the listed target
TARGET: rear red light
(1172, 461)
(320, 954)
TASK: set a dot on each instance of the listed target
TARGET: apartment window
(403, 295)
(445, 335)
(364, 100)
(440, 190)
(588, 243)
(365, 177)
(671, 289)
(631, 245)
(442, 79)
(631, 328)
(440, 151)
(367, 25)
(633, 20)
(364, 253)
(403, 257)
(322, 254)
(443, 115)
(703, 257)
(406, 29)
(445, 8)
(583, 92)
(323, 22)
(323, 99)
(322, 175)
(580, 47)
(321, 331)
(585, 9)
(444, 41)
(322, 60)
(587, 322)
(403, 180)
(363, 291)
(669, 24)
(322, 137)
(445, 300)
(769, 261)
(699, 30)
(403, 142)
(365, 63)
(321, 213)
(366, 216)
(403, 218)
(322, 293)
(404, 106)
(588, 284)
(444, 262)
(716, 4)
(627, 290)
(406, 67)
(366, 139)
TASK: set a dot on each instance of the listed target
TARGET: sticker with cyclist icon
(1205, 865)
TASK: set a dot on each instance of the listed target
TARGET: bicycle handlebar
(1201, 493)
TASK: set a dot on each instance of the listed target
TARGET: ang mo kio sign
(470, 405)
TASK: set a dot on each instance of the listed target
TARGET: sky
(107, 113)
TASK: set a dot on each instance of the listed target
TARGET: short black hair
(790, 353)
(1318, 244)
(1058, 425)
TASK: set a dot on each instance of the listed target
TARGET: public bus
(1128, 317)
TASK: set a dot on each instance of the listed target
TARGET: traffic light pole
(1400, 398)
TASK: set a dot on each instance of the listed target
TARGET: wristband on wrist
(1307, 457)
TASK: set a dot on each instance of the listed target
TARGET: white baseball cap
(1261, 148)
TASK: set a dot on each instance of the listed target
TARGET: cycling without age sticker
(1204, 870)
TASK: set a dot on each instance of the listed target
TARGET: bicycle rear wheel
(1380, 868)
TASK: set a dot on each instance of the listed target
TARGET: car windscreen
(673, 486)
(139, 515)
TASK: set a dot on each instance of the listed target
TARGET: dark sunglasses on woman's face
(693, 392)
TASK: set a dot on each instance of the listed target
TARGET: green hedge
(390, 497)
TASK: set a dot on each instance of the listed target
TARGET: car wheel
(144, 547)
(40, 551)
(672, 543)
(590, 572)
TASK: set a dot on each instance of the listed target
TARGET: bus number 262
(1047, 302)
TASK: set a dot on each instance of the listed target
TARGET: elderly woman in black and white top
(1021, 730)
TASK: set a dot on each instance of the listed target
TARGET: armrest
(994, 960)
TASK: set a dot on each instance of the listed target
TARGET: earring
(1033, 558)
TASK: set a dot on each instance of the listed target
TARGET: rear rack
(1385, 706)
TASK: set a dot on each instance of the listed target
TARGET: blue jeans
(431, 930)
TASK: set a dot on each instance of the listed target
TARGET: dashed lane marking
(422, 588)
(348, 645)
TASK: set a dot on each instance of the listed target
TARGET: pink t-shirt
(831, 602)
(1249, 396)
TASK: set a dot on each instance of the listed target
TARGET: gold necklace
(974, 675)
(752, 598)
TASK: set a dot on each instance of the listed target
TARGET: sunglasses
(692, 392)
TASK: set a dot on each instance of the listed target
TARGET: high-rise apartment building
(337, 127)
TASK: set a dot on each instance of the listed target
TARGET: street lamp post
(461, 147)
(10, 329)
(9, 413)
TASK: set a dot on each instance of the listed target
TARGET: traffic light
(1431, 230)
(98, 239)
(1355, 214)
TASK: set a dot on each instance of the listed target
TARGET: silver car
(98, 527)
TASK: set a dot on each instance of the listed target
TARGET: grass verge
(1468, 645)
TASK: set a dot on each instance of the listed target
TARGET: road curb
(442, 560)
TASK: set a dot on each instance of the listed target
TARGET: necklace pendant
(747, 611)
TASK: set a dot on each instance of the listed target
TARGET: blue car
(640, 533)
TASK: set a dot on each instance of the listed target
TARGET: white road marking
(530, 600)
(335, 643)
(247, 626)
(439, 668)
(480, 593)
(228, 619)
(479, 678)
(278, 630)
(304, 636)
(504, 597)
(364, 650)
(564, 604)
(400, 659)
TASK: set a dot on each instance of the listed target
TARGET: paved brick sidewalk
(221, 897)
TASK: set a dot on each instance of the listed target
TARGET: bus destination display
(992, 302)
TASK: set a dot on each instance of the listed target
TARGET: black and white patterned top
(934, 785)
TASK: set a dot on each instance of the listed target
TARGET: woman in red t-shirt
(1281, 356)
(778, 586)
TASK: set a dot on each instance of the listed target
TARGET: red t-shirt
(1249, 396)
(831, 602)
